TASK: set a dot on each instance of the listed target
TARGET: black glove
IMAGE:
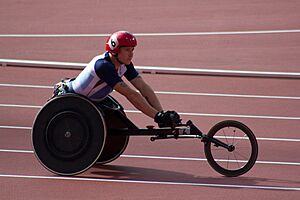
(167, 119)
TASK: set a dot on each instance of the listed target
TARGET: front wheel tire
(242, 158)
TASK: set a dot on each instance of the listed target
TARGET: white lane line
(15, 127)
(170, 158)
(228, 115)
(259, 138)
(15, 151)
(240, 116)
(150, 182)
(26, 86)
(184, 113)
(161, 34)
(20, 106)
(176, 93)
(228, 95)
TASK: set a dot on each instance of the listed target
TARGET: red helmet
(120, 39)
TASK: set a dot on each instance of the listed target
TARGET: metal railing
(155, 69)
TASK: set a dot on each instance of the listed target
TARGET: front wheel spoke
(225, 135)
(237, 161)
(238, 141)
(241, 155)
(228, 161)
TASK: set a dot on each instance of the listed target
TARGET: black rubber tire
(114, 147)
(68, 134)
(253, 148)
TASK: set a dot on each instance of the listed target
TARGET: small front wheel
(241, 157)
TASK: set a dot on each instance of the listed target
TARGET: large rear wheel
(68, 134)
(115, 145)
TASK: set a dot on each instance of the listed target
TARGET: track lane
(165, 149)
(164, 171)
(206, 16)
(190, 148)
(208, 84)
(68, 190)
(187, 104)
(262, 127)
(197, 16)
(264, 52)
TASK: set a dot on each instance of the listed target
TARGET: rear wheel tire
(68, 139)
(115, 145)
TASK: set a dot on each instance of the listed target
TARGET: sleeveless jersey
(99, 77)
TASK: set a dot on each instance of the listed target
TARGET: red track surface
(159, 178)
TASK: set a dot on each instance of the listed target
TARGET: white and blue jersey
(99, 77)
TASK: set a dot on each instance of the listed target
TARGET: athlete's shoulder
(130, 65)
(103, 62)
(131, 72)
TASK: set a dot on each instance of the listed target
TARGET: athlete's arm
(136, 99)
(147, 92)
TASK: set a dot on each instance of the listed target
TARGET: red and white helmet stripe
(120, 39)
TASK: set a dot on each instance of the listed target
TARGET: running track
(163, 169)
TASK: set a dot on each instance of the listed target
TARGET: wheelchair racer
(104, 74)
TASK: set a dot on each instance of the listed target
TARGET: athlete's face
(126, 54)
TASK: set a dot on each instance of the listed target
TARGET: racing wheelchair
(72, 133)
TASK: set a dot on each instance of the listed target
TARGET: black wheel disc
(115, 145)
(68, 134)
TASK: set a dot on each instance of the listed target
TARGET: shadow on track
(120, 172)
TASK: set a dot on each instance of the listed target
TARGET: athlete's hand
(167, 119)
